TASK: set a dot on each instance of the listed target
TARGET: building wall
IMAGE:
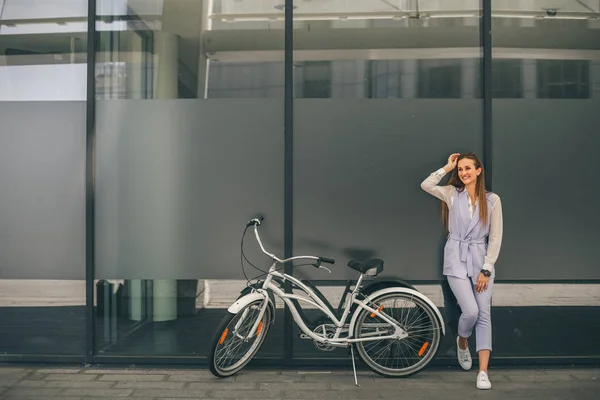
(190, 143)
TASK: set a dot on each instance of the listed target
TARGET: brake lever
(325, 268)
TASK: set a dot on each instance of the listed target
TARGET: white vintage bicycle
(395, 329)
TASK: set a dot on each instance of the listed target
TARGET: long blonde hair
(480, 191)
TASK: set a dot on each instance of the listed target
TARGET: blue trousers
(476, 310)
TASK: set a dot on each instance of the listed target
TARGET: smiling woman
(473, 219)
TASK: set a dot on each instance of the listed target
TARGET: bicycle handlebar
(257, 221)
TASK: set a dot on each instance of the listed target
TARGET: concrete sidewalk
(38, 383)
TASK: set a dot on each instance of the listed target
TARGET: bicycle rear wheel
(231, 348)
(404, 357)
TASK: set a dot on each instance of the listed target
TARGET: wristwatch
(486, 273)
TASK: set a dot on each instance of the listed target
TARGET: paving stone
(10, 377)
(23, 392)
(410, 394)
(358, 393)
(7, 382)
(64, 384)
(534, 394)
(150, 385)
(558, 385)
(279, 386)
(536, 377)
(337, 376)
(58, 370)
(247, 394)
(20, 397)
(70, 377)
(189, 377)
(586, 376)
(159, 394)
(420, 377)
(468, 376)
(223, 385)
(34, 376)
(367, 384)
(13, 371)
(132, 378)
(268, 377)
(445, 386)
(142, 371)
(111, 393)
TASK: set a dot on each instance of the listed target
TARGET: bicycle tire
(416, 343)
(223, 335)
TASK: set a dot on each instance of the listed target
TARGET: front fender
(244, 300)
(413, 292)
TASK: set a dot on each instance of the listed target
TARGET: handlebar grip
(256, 221)
(327, 260)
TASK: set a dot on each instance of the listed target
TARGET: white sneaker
(483, 381)
(464, 356)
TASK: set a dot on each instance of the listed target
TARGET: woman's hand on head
(452, 160)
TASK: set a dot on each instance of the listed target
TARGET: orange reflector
(379, 310)
(223, 336)
(259, 328)
(423, 348)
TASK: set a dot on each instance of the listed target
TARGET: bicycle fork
(257, 326)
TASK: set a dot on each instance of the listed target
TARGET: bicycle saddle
(371, 267)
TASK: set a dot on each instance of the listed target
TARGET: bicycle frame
(314, 300)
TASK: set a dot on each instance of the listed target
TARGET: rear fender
(383, 284)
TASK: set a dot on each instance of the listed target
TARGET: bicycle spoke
(399, 356)
(236, 348)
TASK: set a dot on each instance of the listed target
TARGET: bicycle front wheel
(232, 347)
(403, 357)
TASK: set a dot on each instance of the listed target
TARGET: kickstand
(354, 365)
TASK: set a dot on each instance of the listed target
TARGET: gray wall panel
(358, 166)
(42, 201)
(545, 156)
(178, 179)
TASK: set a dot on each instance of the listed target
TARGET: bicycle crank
(327, 331)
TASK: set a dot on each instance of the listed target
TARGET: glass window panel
(43, 67)
(189, 125)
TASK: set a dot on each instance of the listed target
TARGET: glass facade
(182, 135)
(43, 56)
(130, 167)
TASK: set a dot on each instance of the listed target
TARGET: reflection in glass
(545, 103)
(43, 60)
(42, 316)
(42, 203)
(507, 79)
(563, 79)
(382, 88)
(176, 180)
